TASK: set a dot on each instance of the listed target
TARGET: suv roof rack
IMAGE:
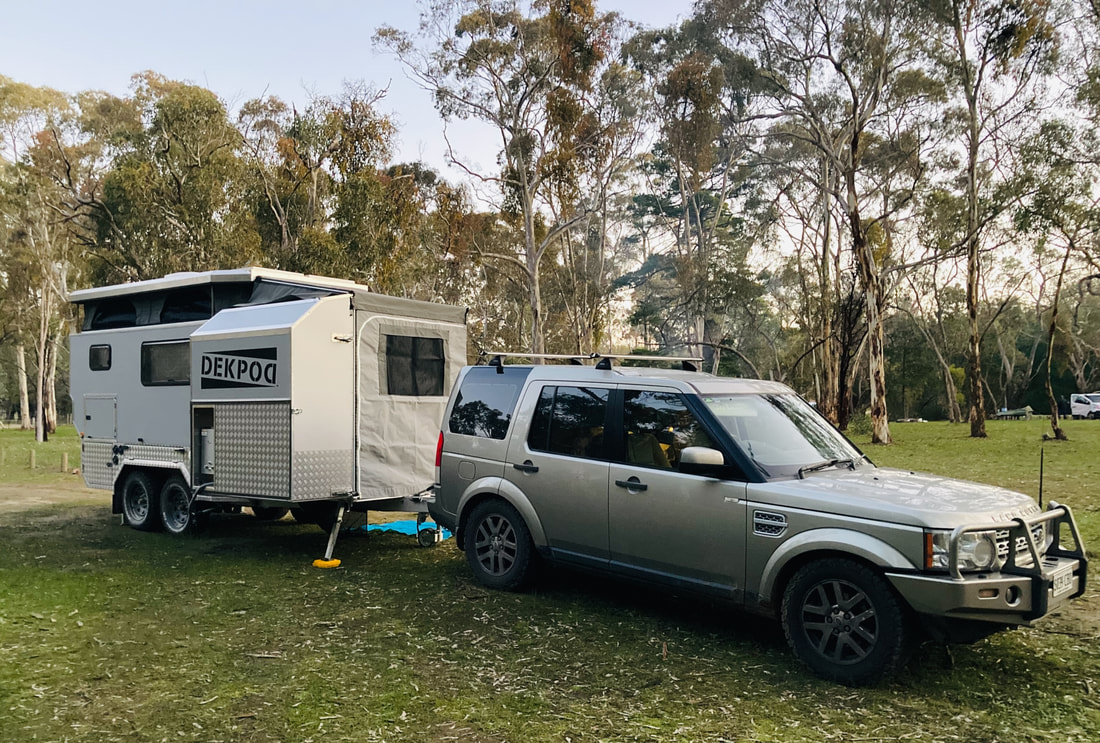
(687, 363)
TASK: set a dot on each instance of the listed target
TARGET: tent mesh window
(414, 366)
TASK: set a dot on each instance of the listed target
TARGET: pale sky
(242, 49)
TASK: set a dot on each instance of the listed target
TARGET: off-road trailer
(252, 387)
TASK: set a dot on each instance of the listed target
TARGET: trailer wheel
(269, 513)
(140, 505)
(175, 506)
(498, 546)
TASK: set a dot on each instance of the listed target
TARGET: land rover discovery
(741, 490)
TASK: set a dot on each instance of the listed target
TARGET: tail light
(439, 451)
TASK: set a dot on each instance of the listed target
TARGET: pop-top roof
(198, 278)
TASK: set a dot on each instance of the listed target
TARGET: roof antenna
(1041, 453)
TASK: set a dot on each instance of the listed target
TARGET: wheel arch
(817, 544)
(155, 470)
(488, 488)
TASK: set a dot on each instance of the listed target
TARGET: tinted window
(186, 305)
(414, 366)
(659, 426)
(486, 401)
(114, 313)
(569, 420)
(99, 358)
(166, 363)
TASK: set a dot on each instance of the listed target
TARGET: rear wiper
(849, 463)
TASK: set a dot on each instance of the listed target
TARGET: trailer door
(100, 416)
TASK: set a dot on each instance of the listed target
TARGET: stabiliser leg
(328, 562)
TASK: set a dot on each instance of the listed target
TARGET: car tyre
(140, 504)
(176, 510)
(842, 619)
(498, 546)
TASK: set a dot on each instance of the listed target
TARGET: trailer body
(262, 388)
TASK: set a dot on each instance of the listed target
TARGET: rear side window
(570, 421)
(414, 366)
(99, 358)
(486, 401)
(166, 364)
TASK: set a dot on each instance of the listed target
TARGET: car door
(558, 461)
(665, 524)
(1079, 406)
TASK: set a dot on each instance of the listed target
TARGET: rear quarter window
(486, 401)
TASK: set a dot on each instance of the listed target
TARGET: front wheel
(175, 506)
(842, 620)
(498, 546)
(140, 505)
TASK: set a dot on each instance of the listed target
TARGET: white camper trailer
(260, 388)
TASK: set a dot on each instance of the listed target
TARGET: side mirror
(701, 460)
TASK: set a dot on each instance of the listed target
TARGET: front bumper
(1029, 586)
(1001, 598)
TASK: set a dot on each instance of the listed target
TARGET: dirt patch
(29, 496)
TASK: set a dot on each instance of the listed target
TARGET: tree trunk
(24, 396)
(40, 432)
(1059, 434)
(51, 384)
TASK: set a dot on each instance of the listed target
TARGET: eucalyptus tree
(996, 55)
(849, 81)
(524, 71)
(37, 256)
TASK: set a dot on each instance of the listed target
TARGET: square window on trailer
(99, 358)
(414, 366)
(166, 363)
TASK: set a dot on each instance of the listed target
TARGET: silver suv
(740, 490)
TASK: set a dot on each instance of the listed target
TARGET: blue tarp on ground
(407, 526)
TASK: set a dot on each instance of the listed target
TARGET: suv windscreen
(486, 401)
(783, 433)
(1093, 398)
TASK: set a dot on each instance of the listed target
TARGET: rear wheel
(498, 546)
(140, 505)
(842, 620)
(175, 506)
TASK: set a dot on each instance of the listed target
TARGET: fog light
(988, 593)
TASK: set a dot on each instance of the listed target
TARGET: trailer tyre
(498, 546)
(140, 504)
(175, 506)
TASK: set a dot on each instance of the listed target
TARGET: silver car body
(742, 538)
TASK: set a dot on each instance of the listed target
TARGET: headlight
(977, 550)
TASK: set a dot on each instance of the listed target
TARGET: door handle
(527, 467)
(632, 484)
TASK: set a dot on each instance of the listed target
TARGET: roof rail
(687, 363)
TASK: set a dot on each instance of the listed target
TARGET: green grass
(15, 454)
(108, 634)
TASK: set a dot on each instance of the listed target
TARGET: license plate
(1062, 582)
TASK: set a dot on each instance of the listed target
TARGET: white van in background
(1085, 406)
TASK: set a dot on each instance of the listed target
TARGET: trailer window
(166, 363)
(115, 313)
(186, 305)
(414, 366)
(99, 358)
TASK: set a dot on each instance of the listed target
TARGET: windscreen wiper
(802, 471)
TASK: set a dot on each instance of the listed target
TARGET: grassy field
(108, 634)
